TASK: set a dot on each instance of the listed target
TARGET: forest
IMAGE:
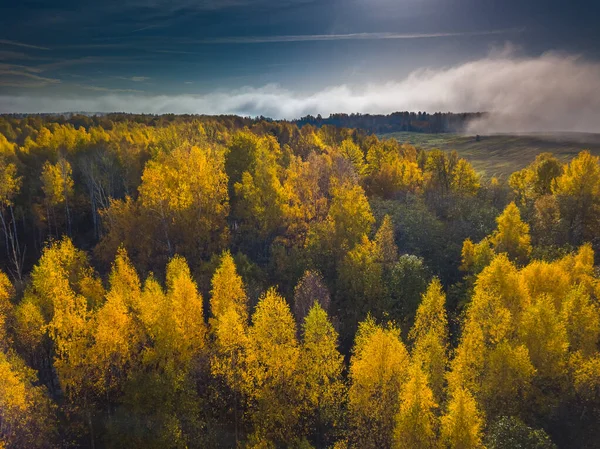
(422, 122)
(225, 282)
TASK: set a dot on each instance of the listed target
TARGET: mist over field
(555, 92)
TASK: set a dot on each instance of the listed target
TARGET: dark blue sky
(80, 48)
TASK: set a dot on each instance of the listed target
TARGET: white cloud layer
(553, 92)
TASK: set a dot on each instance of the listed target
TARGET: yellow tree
(490, 361)
(352, 152)
(360, 282)
(116, 335)
(462, 424)
(512, 235)
(27, 415)
(476, 256)
(429, 336)
(306, 197)
(507, 380)
(186, 191)
(228, 292)
(537, 179)
(57, 185)
(378, 368)
(581, 318)
(272, 377)
(321, 366)
(544, 334)
(160, 392)
(392, 169)
(349, 217)
(578, 192)
(465, 181)
(229, 328)
(386, 242)
(187, 315)
(71, 330)
(6, 310)
(10, 185)
(59, 302)
(260, 196)
(416, 422)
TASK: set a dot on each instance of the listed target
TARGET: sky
(287, 58)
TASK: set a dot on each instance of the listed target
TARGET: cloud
(340, 37)
(21, 44)
(107, 89)
(552, 92)
(7, 55)
(135, 79)
(207, 5)
(11, 76)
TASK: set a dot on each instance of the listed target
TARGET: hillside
(500, 155)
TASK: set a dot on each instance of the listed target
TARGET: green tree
(511, 432)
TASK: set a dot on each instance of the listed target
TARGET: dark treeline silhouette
(421, 122)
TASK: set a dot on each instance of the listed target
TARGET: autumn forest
(226, 282)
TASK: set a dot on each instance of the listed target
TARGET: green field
(500, 155)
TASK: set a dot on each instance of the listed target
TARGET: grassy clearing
(500, 155)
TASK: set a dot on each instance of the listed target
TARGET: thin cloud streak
(21, 44)
(550, 93)
(341, 37)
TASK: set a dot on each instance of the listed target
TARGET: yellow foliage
(512, 236)
(465, 181)
(386, 242)
(545, 336)
(581, 318)
(416, 423)
(115, 335)
(57, 182)
(581, 177)
(321, 361)
(6, 309)
(587, 380)
(30, 326)
(26, 413)
(378, 369)
(272, 377)
(228, 291)
(462, 424)
(542, 278)
(502, 280)
(430, 337)
(229, 322)
(10, 183)
(506, 380)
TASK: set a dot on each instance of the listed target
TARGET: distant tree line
(421, 122)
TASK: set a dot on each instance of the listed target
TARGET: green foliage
(510, 432)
